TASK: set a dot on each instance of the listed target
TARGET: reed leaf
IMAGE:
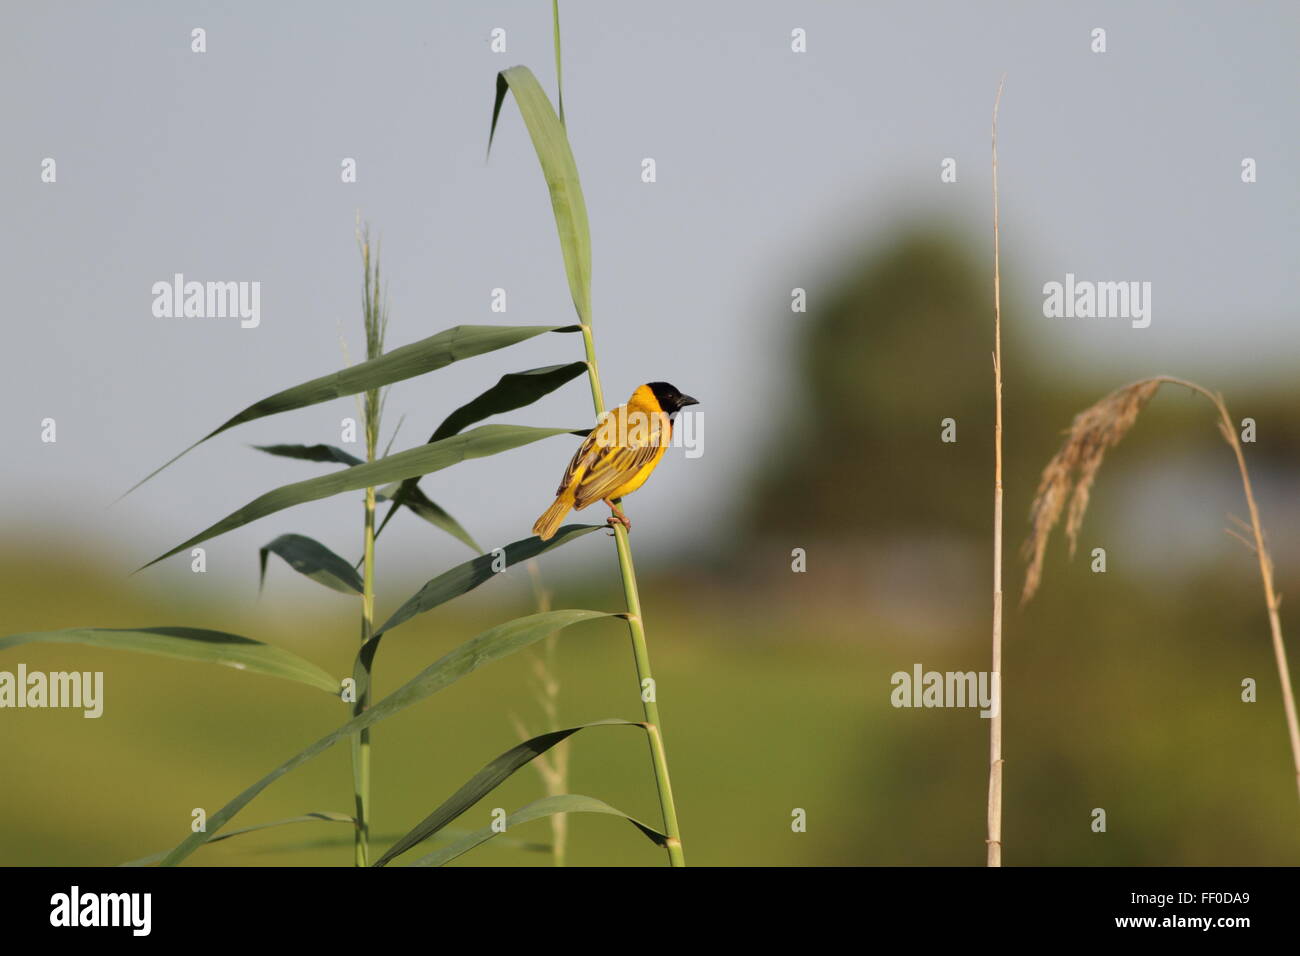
(515, 390)
(191, 644)
(325, 453)
(545, 807)
(426, 355)
(470, 574)
(312, 559)
(481, 442)
(443, 836)
(512, 391)
(314, 817)
(415, 499)
(418, 502)
(561, 172)
(459, 580)
(326, 842)
(491, 645)
(485, 781)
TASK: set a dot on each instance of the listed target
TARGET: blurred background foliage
(1122, 689)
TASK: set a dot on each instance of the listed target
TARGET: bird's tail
(549, 522)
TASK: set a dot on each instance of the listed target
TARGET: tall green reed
(374, 307)
(549, 135)
(394, 478)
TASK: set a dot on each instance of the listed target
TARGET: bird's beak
(687, 400)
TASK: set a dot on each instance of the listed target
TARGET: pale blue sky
(225, 166)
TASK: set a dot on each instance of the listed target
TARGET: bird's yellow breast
(639, 478)
(647, 425)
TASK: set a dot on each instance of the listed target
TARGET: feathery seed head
(1073, 469)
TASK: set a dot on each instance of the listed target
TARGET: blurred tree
(901, 339)
(897, 343)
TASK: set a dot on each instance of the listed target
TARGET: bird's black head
(670, 399)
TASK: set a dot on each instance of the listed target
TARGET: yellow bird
(617, 456)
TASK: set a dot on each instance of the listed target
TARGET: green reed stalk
(552, 767)
(375, 312)
(636, 627)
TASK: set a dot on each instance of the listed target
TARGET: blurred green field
(1122, 690)
(772, 700)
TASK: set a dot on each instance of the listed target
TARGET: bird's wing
(615, 463)
(612, 454)
(613, 468)
(580, 462)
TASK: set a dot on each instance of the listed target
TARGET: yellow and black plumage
(617, 456)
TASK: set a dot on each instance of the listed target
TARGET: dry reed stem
(994, 839)
(1075, 467)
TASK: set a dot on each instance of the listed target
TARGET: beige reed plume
(1073, 469)
(1094, 431)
